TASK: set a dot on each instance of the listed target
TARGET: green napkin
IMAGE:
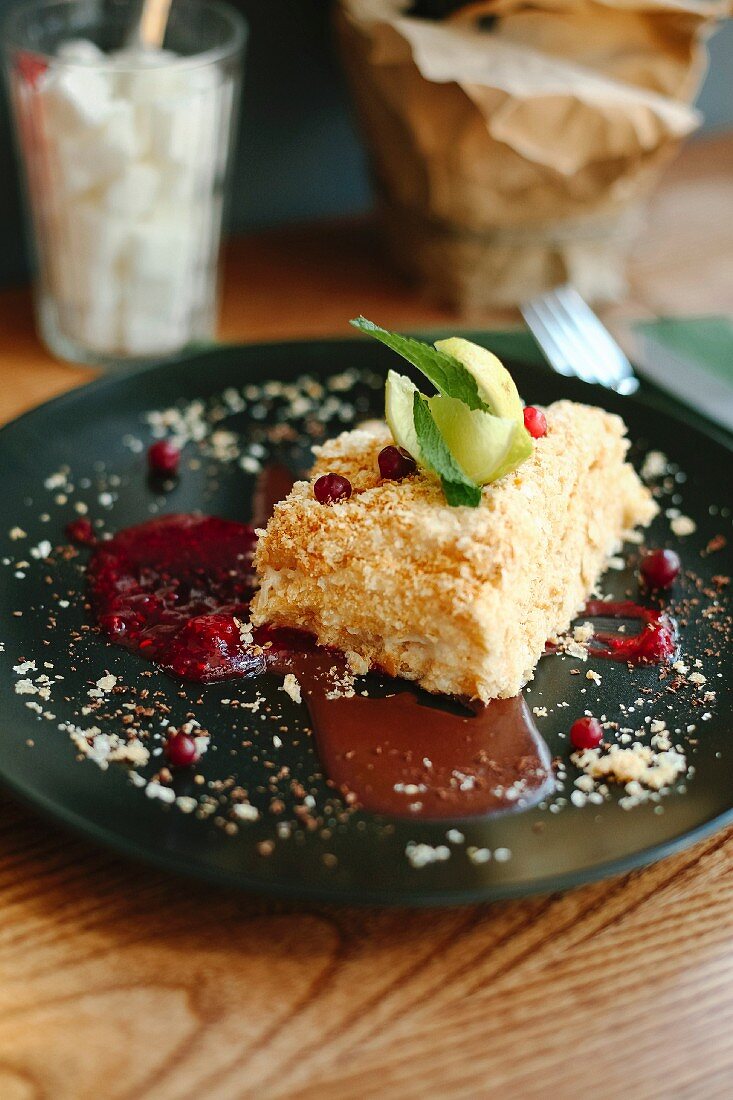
(692, 358)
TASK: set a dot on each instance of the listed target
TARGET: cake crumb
(291, 687)
(420, 855)
(358, 664)
(683, 525)
(478, 855)
(655, 465)
(639, 764)
(245, 811)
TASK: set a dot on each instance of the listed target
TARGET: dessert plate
(83, 454)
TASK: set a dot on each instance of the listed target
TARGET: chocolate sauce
(273, 484)
(402, 756)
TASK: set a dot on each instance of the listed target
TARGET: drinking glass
(125, 152)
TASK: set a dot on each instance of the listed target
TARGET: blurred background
(299, 156)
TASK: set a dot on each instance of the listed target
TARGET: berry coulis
(655, 643)
(176, 590)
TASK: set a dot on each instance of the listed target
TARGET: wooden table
(117, 981)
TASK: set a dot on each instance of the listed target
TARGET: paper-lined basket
(511, 159)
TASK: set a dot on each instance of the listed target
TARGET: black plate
(365, 858)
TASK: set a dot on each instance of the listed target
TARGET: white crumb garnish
(55, 481)
(502, 855)
(410, 789)
(291, 687)
(420, 855)
(106, 748)
(245, 811)
(25, 687)
(23, 667)
(186, 804)
(655, 465)
(17, 533)
(698, 678)
(42, 550)
(478, 855)
(454, 836)
(103, 685)
(591, 674)
(651, 770)
(576, 645)
(155, 789)
(683, 525)
(245, 632)
(583, 632)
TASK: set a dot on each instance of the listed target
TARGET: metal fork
(574, 341)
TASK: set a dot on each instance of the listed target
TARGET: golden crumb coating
(461, 600)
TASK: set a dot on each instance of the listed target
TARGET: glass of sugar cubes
(125, 153)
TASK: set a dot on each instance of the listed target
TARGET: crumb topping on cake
(460, 599)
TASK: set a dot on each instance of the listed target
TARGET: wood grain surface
(119, 982)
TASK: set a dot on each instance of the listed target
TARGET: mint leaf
(447, 375)
(458, 488)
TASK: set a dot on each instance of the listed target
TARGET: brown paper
(504, 168)
(654, 44)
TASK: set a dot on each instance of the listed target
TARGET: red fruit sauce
(655, 643)
(174, 590)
